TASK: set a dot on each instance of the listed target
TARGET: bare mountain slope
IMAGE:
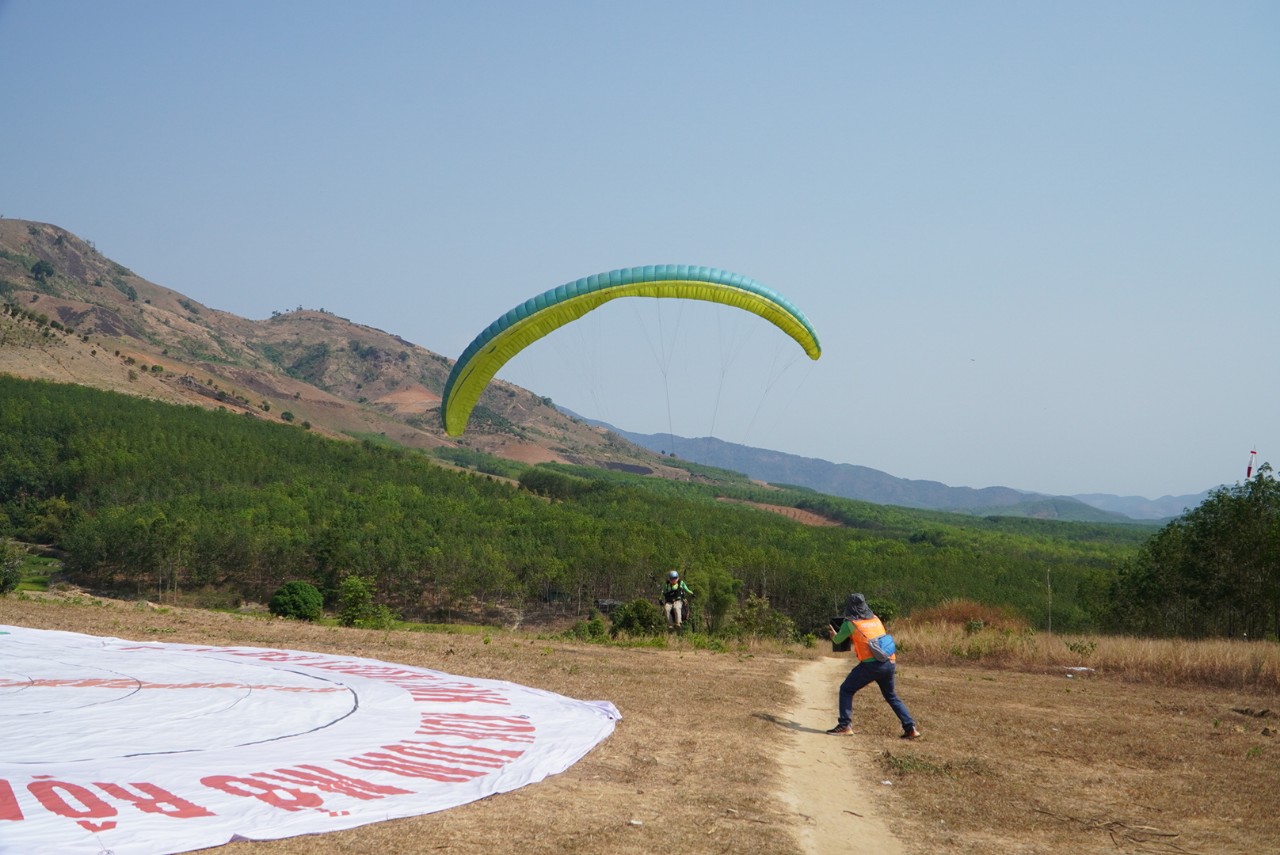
(82, 318)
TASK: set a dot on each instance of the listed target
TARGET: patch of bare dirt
(817, 769)
(800, 516)
(410, 399)
(525, 452)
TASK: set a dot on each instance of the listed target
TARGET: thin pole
(1048, 586)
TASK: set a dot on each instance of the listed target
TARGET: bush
(553, 485)
(588, 630)
(755, 618)
(356, 606)
(10, 566)
(638, 617)
(42, 270)
(297, 599)
(886, 610)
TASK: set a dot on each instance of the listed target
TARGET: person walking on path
(861, 624)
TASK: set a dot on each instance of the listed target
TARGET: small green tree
(715, 592)
(49, 520)
(297, 599)
(10, 566)
(756, 618)
(357, 608)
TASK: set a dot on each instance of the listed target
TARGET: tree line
(175, 502)
(1214, 571)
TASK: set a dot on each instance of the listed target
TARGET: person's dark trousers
(882, 674)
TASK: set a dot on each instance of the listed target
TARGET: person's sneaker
(841, 730)
(913, 733)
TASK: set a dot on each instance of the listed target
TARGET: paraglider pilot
(675, 597)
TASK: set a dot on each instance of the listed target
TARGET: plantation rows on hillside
(177, 502)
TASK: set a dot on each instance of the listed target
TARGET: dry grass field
(1160, 747)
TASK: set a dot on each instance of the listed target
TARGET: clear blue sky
(1040, 241)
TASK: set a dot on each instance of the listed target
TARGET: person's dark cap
(856, 607)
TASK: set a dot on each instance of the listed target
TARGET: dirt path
(829, 780)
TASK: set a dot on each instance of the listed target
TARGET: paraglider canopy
(540, 315)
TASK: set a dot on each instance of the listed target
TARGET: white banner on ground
(132, 748)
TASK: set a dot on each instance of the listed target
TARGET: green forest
(182, 504)
(1214, 571)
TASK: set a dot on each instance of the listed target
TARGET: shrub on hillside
(638, 617)
(755, 618)
(588, 630)
(357, 608)
(297, 599)
(886, 610)
(10, 566)
(553, 485)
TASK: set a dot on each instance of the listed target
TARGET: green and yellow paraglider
(540, 315)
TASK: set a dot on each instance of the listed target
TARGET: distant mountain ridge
(1141, 508)
(871, 485)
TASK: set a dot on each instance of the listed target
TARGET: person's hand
(831, 631)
